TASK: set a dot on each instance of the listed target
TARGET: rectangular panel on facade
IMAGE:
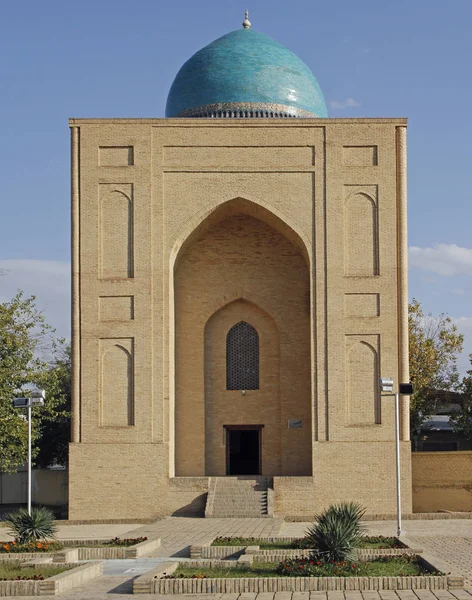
(360, 156)
(115, 156)
(116, 308)
(362, 305)
(206, 157)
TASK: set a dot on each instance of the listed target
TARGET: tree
(54, 427)
(25, 342)
(435, 344)
(461, 420)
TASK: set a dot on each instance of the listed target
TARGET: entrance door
(243, 450)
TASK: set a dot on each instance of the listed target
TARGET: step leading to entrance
(239, 497)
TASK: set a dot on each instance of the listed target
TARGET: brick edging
(55, 584)
(301, 584)
(74, 553)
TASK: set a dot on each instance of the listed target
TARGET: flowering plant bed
(17, 548)
(387, 566)
(264, 544)
(294, 575)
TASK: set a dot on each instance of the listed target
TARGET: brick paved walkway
(178, 533)
(456, 552)
(450, 540)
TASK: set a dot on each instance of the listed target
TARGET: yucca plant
(40, 525)
(336, 533)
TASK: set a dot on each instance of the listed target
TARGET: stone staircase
(239, 497)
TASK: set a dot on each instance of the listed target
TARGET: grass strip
(13, 570)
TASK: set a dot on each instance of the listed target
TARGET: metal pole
(397, 452)
(29, 460)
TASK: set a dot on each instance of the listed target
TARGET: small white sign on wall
(294, 423)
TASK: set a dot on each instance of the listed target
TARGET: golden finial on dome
(247, 22)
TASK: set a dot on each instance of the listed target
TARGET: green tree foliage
(54, 427)
(461, 421)
(30, 356)
(435, 344)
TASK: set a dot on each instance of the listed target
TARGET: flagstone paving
(450, 540)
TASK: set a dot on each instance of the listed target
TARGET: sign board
(294, 423)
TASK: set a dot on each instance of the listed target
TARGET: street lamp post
(36, 397)
(386, 385)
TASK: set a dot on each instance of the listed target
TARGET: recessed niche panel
(362, 380)
(362, 305)
(361, 252)
(116, 382)
(115, 156)
(116, 308)
(207, 157)
(360, 156)
(116, 231)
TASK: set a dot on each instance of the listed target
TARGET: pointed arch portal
(242, 302)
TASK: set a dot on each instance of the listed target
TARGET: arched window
(242, 357)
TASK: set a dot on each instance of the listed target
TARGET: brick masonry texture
(441, 481)
(183, 227)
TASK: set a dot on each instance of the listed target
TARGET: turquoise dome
(245, 74)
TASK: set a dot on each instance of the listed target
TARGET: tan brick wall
(332, 192)
(442, 481)
(119, 481)
(347, 471)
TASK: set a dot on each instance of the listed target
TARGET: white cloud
(340, 104)
(48, 280)
(443, 259)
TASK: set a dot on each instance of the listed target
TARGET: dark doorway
(243, 450)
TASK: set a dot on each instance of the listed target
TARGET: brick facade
(184, 227)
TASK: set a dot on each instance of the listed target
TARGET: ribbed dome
(245, 73)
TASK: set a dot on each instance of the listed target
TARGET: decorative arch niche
(116, 234)
(117, 383)
(361, 236)
(362, 382)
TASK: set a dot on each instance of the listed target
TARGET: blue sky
(116, 58)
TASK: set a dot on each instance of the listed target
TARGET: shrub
(307, 567)
(336, 533)
(25, 528)
(125, 542)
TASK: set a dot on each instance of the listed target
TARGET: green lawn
(393, 567)
(368, 542)
(12, 570)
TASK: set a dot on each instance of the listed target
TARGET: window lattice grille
(242, 357)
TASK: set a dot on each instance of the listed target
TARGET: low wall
(49, 487)
(442, 481)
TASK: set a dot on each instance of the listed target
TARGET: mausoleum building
(239, 286)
